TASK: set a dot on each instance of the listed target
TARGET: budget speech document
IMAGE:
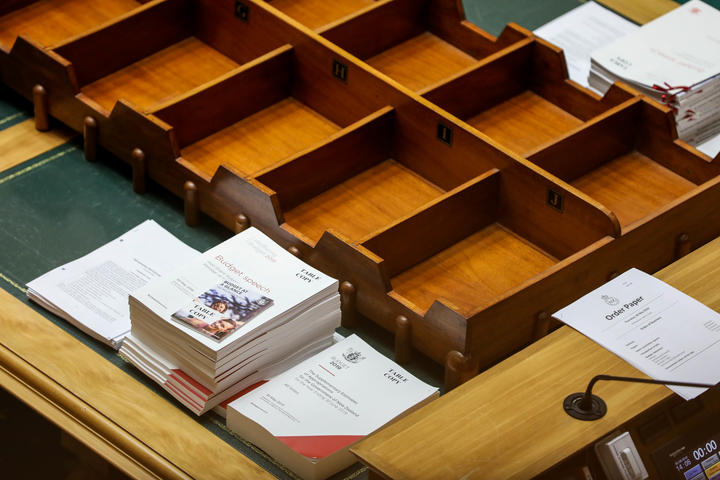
(656, 328)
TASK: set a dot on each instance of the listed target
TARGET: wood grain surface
(364, 203)
(421, 61)
(509, 422)
(23, 141)
(52, 21)
(262, 139)
(633, 186)
(473, 271)
(160, 77)
(316, 13)
(104, 399)
(524, 122)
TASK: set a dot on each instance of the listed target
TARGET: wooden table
(509, 422)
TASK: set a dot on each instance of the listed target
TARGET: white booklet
(235, 290)
(681, 48)
(92, 292)
(654, 327)
(308, 416)
(581, 31)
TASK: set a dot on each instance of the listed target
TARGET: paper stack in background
(675, 59)
(221, 322)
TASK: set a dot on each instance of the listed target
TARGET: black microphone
(586, 406)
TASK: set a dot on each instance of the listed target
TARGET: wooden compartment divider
(422, 206)
(521, 97)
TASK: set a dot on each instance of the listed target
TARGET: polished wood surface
(52, 21)
(364, 203)
(421, 61)
(164, 440)
(633, 186)
(23, 141)
(473, 271)
(509, 422)
(641, 11)
(162, 76)
(316, 13)
(524, 122)
(261, 139)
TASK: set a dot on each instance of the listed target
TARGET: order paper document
(92, 292)
(582, 30)
(654, 327)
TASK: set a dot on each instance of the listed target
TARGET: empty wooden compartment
(629, 161)
(469, 247)
(417, 43)
(521, 96)
(355, 183)
(253, 117)
(48, 22)
(159, 52)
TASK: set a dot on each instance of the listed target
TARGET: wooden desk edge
(80, 420)
(36, 377)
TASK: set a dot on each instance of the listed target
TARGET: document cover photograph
(222, 309)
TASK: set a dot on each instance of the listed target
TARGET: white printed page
(654, 327)
(581, 31)
(332, 399)
(681, 48)
(253, 276)
(93, 290)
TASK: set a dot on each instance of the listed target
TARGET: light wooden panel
(641, 11)
(524, 122)
(364, 203)
(508, 422)
(421, 61)
(473, 271)
(262, 139)
(22, 142)
(316, 13)
(101, 397)
(160, 77)
(52, 21)
(633, 186)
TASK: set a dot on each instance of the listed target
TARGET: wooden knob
(139, 170)
(241, 223)
(192, 207)
(90, 138)
(348, 307)
(294, 250)
(403, 339)
(41, 108)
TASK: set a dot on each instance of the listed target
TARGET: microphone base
(572, 406)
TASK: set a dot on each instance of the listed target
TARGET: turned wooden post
(455, 366)
(90, 138)
(403, 339)
(192, 206)
(241, 223)
(348, 296)
(139, 171)
(682, 245)
(42, 111)
(295, 251)
(542, 325)
(459, 368)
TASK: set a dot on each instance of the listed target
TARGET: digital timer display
(698, 461)
(694, 454)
